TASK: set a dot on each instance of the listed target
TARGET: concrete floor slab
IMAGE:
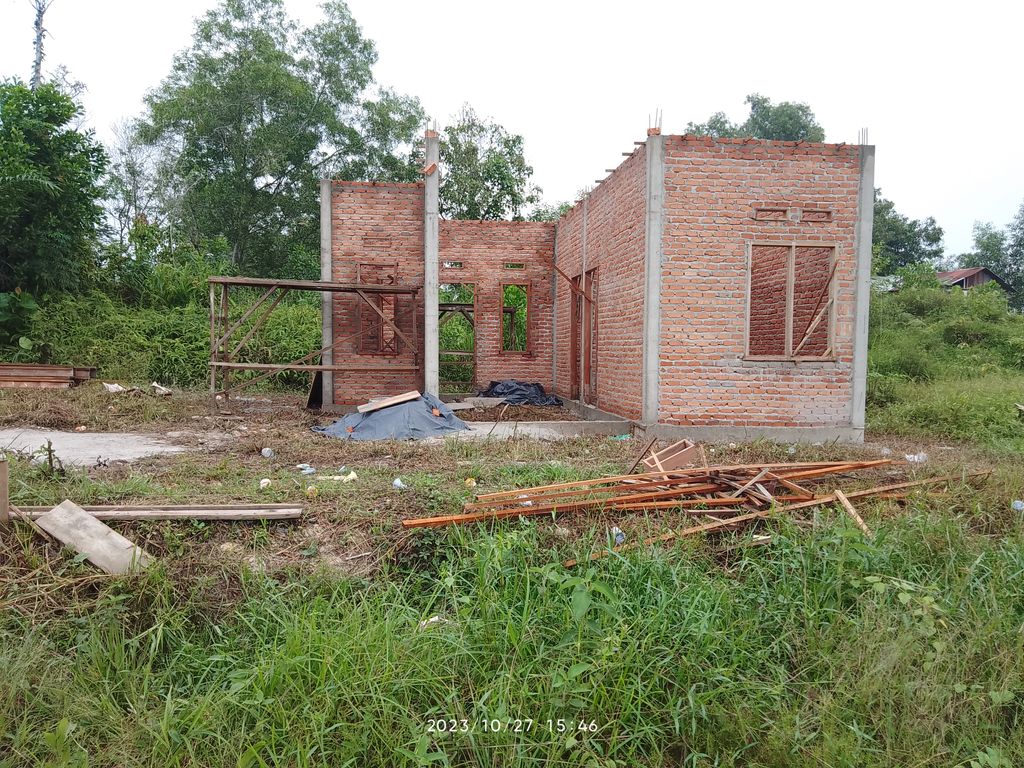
(84, 448)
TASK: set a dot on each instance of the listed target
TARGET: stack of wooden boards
(28, 375)
(727, 496)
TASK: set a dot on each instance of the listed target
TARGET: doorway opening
(457, 337)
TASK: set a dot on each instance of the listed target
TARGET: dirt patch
(518, 413)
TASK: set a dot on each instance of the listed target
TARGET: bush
(171, 345)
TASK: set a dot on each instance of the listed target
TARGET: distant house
(971, 277)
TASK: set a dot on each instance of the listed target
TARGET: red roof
(956, 275)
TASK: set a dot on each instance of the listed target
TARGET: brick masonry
(614, 213)
(752, 230)
(713, 190)
(376, 228)
(484, 248)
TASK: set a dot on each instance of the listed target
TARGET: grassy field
(295, 644)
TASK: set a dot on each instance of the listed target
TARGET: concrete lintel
(653, 238)
(326, 298)
(746, 434)
(431, 215)
(865, 221)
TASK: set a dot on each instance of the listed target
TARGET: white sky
(937, 83)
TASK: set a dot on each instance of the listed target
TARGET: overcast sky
(937, 84)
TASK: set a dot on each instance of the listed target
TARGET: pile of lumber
(726, 496)
(28, 375)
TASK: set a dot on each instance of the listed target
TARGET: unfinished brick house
(712, 288)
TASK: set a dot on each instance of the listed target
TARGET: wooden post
(5, 500)
(213, 339)
(226, 373)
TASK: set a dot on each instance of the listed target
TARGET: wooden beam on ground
(642, 455)
(102, 546)
(228, 512)
(376, 405)
(671, 535)
(844, 502)
(827, 466)
(5, 498)
(881, 490)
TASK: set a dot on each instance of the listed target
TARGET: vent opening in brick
(456, 336)
(515, 335)
(515, 265)
(790, 303)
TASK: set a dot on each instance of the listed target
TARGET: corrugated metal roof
(956, 275)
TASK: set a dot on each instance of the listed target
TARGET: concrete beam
(653, 238)
(746, 434)
(431, 224)
(865, 221)
(326, 298)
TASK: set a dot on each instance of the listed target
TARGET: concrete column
(865, 221)
(653, 238)
(431, 194)
(326, 298)
(554, 315)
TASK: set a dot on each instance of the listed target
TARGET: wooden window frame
(501, 317)
(379, 300)
(792, 245)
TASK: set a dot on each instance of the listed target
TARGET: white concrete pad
(87, 447)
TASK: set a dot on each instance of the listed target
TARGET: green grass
(818, 650)
(947, 365)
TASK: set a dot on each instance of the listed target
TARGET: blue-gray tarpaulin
(411, 420)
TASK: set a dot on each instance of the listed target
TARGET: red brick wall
(616, 218)
(483, 248)
(382, 225)
(713, 188)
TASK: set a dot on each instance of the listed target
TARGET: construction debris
(384, 402)
(685, 453)
(181, 511)
(520, 393)
(425, 416)
(730, 496)
(102, 546)
(30, 375)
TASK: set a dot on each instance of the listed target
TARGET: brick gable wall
(723, 196)
(615, 214)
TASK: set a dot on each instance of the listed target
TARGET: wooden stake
(848, 507)
(5, 499)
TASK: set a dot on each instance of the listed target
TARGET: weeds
(817, 650)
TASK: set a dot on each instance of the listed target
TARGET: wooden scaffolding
(224, 349)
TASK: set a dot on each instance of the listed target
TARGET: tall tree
(40, 7)
(785, 121)
(484, 172)
(898, 241)
(50, 188)
(256, 111)
(1002, 251)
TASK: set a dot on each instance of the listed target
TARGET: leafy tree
(785, 121)
(484, 173)
(50, 189)
(256, 111)
(898, 241)
(549, 211)
(1002, 251)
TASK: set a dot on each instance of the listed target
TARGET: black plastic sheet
(520, 393)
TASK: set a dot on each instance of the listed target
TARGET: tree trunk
(37, 64)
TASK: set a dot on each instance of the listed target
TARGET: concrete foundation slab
(87, 447)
